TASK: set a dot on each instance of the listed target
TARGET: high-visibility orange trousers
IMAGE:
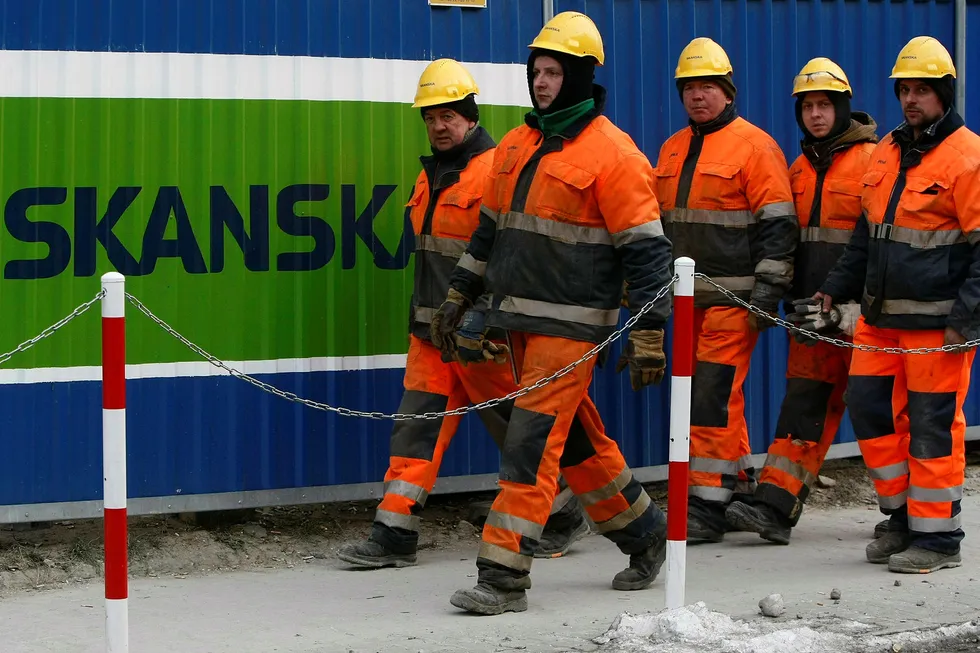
(907, 412)
(418, 446)
(720, 463)
(540, 441)
(811, 413)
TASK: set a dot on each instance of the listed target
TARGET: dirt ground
(43, 556)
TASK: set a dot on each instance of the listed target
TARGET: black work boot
(892, 542)
(562, 529)
(916, 560)
(882, 527)
(371, 555)
(705, 521)
(644, 566)
(487, 599)
(759, 518)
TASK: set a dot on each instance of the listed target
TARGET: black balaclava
(724, 81)
(465, 107)
(576, 87)
(943, 88)
(842, 116)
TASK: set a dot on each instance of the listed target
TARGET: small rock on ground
(825, 482)
(835, 594)
(772, 605)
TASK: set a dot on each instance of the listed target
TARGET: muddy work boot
(759, 519)
(882, 527)
(371, 555)
(916, 560)
(892, 542)
(555, 541)
(644, 566)
(699, 530)
(486, 599)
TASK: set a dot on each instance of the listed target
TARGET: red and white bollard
(114, 462)
(682, 369)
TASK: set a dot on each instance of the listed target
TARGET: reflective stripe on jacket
(914, 260)
(824, 234)
(444, 215)
(727, 204)
(564, 220)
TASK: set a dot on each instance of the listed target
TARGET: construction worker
(444, 210)
(826, 183)
(723, 186)
(568, 212)
(914, 262)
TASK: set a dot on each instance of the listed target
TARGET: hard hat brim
(554, 47)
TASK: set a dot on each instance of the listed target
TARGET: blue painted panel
(382, 29)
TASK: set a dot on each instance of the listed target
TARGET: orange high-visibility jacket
(726, 201)
(564, 220)
(444, 214)
(914, 260)
(828, 202)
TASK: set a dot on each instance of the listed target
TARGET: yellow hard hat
(702, 57)
(821, 74)
(923, 58)
(443, 81)
(573, 33)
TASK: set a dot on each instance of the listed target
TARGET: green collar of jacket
(555, 123)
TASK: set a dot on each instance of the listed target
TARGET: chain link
(837, 342)
(349, 412)
(27, 344)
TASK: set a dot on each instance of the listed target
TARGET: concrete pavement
(325, 607)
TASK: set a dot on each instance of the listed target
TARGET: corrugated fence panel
(245, 164)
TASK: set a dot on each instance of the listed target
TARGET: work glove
(808, 315)
(472, 346)
(625, 301)
(763, 297)
(644, 354)
(445, 321)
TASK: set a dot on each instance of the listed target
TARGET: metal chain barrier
(837, 342)
(348, 412)
(27, 344)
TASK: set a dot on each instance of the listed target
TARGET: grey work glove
(644, 354)
(471, 343)
(445, 321)
(808, 315)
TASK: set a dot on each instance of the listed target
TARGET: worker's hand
(445, 321)
(825, 300)
(953, 337)
(759, 323)
(644, 354)
(472, 345)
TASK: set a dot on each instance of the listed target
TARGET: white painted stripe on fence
(60, 74)
(203, 368)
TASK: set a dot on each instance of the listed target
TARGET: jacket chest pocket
(802, 202)
(841, 202)
(927, 200)
(457, 213)
(665, 180)
(717, 185)
(562, 190)
(506, 181)
(874, 195)
(416, 206)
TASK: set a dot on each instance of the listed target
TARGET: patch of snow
(695, 628)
